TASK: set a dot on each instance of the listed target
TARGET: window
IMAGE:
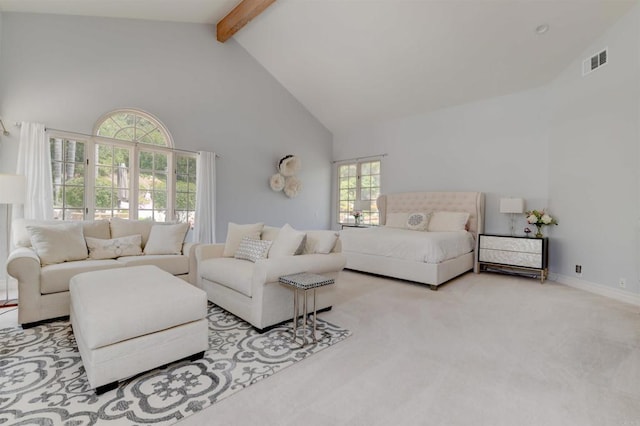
(358, 189)
(128, 170)
(68, 171)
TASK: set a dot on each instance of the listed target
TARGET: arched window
(131, 171)
(134, 126)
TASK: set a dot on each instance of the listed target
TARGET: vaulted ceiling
(353, 62)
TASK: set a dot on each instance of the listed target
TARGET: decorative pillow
(58, 243)
(269, 233)
(235, 233)
(253, 250)
(287, 243)
(397, 220)
(320, 242)
(418, 221)
(110, 249)
(448, 221)
(90, 228)
(166, 239)
(125, 227)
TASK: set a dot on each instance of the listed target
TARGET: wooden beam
(239, 17)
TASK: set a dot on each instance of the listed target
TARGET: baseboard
(612, 293)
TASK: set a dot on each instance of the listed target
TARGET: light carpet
(42, 380)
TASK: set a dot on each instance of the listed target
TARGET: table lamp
(512, 206)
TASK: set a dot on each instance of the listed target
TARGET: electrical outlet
(579, 269)
(622, 283)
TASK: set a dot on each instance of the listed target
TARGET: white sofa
(43, 289)
(252, 291)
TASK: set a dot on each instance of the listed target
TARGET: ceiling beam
(239, 17)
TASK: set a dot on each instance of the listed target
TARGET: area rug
(42, 380)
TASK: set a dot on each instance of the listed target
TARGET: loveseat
(248, 285)
(49, 253)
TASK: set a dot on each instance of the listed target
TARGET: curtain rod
(360, 158)
(18, 124)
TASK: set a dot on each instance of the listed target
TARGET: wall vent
(594, 62)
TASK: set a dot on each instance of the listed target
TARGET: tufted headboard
(410, 202)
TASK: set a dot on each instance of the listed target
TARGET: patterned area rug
(42, 380)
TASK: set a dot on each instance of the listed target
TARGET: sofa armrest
(189, 250)
(208, 251)
(269, 270)
(23, 264)
(202, 252)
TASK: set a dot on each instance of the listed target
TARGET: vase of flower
(357, 216)
(539, 231)
(539, 218)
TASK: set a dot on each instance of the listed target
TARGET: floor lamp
(12, 191)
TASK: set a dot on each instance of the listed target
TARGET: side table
(303, 282)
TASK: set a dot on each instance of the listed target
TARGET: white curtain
(34, 162)
(205, 227)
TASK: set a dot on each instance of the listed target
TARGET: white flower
(277, 182)
(532, 219)
(546, 219)
(292, 186)
(289, 165)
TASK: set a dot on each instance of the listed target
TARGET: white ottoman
(130, 320)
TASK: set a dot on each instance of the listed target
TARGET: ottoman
(130, 320)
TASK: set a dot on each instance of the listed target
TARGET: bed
(398, 253)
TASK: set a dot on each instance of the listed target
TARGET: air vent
(594, 62)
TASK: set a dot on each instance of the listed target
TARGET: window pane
(146, 160)
(105, 155)
(160, 162)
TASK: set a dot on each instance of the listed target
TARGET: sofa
(48, 254)
(247, 285)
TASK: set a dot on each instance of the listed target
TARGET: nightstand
(508, 253)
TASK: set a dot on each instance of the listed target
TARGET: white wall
(594, 178)
(67, 71)
(497, 146)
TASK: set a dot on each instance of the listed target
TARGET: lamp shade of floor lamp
(12, 192)
(512, 206)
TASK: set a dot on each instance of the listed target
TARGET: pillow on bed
(448, 221)
(417, 221)
(397, 220)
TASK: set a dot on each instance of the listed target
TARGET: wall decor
(285, 179)
(289, 165)
(277, 182)
(292, 187)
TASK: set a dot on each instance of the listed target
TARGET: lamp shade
(12, 189)
(511, 205)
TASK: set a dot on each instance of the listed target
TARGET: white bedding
(418, 246)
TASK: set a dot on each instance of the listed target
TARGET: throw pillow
(90, 228)
(320, 242)
(287, 243)
(111, 249)
(448, 221)
(253, 250)
(418, 221)
(397, 220)
(235, 233)
(58, 243)
(124, 227)
(166, 239)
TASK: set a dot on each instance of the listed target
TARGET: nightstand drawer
(506, 257)
(526, 245)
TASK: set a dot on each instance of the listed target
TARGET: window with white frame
(358, 189)
(128, 170)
